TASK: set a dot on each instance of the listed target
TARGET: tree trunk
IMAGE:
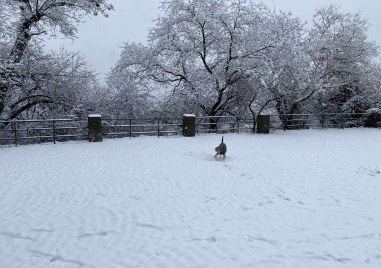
(285, 116)
(21, 43)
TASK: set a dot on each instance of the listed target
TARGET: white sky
(100, 39)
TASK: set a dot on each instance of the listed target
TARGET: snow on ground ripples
(287, 199)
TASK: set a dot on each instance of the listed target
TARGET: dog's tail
(222, 139)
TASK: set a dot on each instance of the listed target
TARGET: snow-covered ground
(287, 199)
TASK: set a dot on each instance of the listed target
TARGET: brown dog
(221, 149)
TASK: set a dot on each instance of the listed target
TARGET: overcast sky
(100, 39)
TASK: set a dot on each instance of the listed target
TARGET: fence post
(158, 127)
(130, 128)
(238, 119)
(14, 124)
(95, 127)
(54, 131)
(189, 125)
(322, 120)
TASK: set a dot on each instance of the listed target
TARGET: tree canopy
(235, 56)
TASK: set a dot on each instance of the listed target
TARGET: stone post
(263, 124)
(373, 117)
(95, 127)
(189, 125)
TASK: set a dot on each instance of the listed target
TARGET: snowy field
(287, 199)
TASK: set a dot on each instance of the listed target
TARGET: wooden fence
(59, 130)
(39, 131)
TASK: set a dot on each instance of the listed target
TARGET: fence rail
(324, 120)
(59, 130)
(40, 131)
(118, 128)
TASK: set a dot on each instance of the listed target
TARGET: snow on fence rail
(53, 130)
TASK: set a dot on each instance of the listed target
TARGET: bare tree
(342, 59)
(54, 84)
(128, 94)
(36, 17)
(201, 49)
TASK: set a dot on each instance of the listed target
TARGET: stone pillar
(373, 117)
(95, 127)
(189, 125)
(263, 124)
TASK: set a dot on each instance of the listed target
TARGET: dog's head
(219, 149)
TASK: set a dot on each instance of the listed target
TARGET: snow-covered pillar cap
(189, 115)
(94, 115)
